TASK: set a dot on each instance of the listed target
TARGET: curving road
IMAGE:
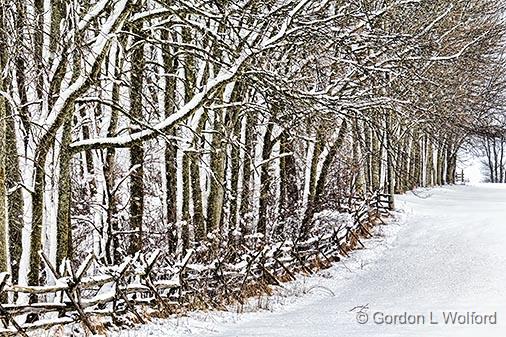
(449, 257)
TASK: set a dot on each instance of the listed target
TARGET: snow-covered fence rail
(75, 297)
(148, 281)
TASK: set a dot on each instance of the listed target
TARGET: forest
(133, 125)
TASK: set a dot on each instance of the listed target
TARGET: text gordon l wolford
(434, 318)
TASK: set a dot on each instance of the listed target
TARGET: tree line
(132, 124)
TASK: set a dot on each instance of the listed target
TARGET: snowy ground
(445, 253)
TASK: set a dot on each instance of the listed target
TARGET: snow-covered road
(448, 254)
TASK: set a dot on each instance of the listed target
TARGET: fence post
(71, 293)
(391, 203)
(3, 312)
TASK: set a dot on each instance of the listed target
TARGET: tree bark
(137, 150)
(15, 198)
(170, 151)
(289, 189)
(63, 223)
(215, 199)
(390, 162)
(3, 153)
(265, 181)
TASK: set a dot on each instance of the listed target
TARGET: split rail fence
(152, 280)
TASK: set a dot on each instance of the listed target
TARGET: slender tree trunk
(289, 189)
(368, 156)
(137, 150)
(390, 161)
(112, 252)
(15, 198)
(235, 124)
(11, 206)
(235, 166)
(501, 160)
(63, 234)
(3, 155)
(430, 163)
(38, 45)
(246, 190)
(41, 152)
(185, 229)
(489, 159)
(451, 162)
(376, 157)
(21, 77)
(170, 152)
(318, 148)
(360, 184)
(414, 163)
(496, 160)
(402, 173)
(216, 193)
(439, 165)
(63, 219)
(195, 162)
(265, 181)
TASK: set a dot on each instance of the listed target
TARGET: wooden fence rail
(459, 177)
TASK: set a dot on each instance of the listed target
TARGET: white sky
(472, 168)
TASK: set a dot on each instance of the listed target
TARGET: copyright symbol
(362, 317)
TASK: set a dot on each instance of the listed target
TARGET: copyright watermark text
(364, 316)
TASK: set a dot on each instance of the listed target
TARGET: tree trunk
(112, 253)
(3, 155)
(289, 189)
(63, 223)
(265, 181)
(414, 162)
(318, 148)
(170, 152)
(137, 150)
(358, 162)
(195, 158)
(215, 199)
(501, 160)
(376, 156)
(63, 219)
(11, 206)
(429, 175)
(246, 190)
(390, 162)
(367, 143)
(185, 229)
(15, 198)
